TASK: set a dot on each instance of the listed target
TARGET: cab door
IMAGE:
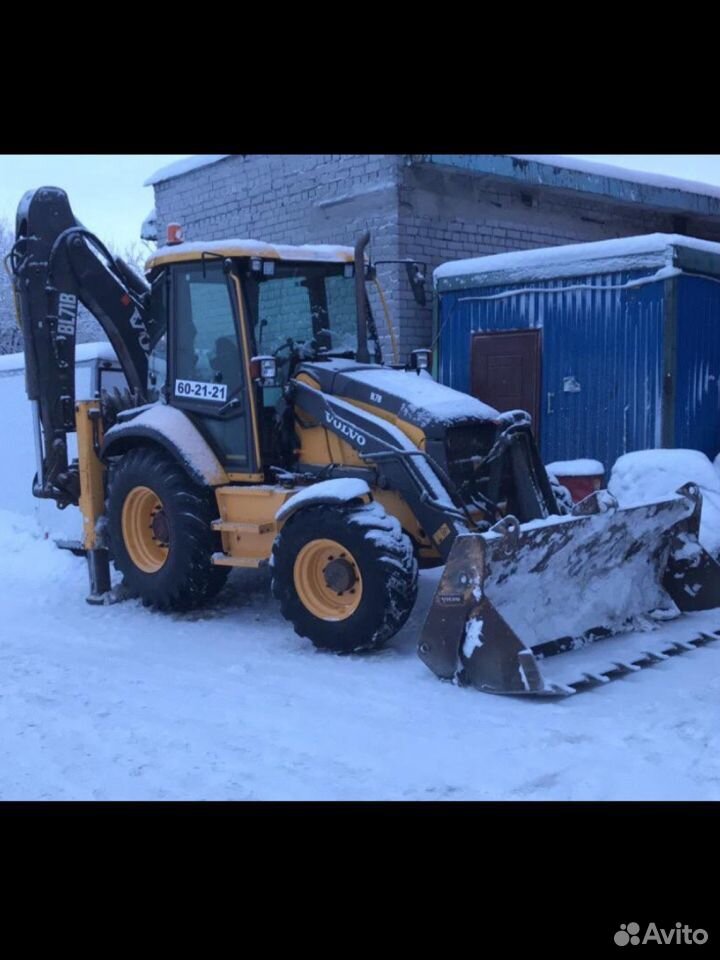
(209, 365)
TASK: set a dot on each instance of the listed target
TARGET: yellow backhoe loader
(261, 426)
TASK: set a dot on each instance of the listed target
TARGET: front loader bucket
(517, 608)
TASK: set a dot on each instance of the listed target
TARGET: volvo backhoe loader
(261, 426)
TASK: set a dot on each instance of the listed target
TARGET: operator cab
(234, 301)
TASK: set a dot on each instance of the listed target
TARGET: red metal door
(505, 371)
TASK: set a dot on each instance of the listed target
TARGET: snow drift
(647, 475)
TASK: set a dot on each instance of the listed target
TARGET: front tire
(159, 524)
(345, 576)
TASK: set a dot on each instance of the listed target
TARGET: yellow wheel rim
(327, 580)
(144, 529)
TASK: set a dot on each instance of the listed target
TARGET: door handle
(549, 403)
(232, 404)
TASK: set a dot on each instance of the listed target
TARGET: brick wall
(413, 209)
(449, 215)
(328, 198)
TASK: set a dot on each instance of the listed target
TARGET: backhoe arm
(56, 264)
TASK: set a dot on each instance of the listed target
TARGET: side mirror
(263, 370)
(420, 359)
(416, 276)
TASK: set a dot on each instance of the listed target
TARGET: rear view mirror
(263, 370)
(416, 276)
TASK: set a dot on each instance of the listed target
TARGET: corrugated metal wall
(697, 391)
(609, 340)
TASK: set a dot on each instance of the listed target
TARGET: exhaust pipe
(363, 355)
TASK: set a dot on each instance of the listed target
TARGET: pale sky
(107, 195)
(704, 167)
(106, 191)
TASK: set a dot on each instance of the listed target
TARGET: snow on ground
(120, 702)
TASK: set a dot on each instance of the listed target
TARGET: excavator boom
(56, 265)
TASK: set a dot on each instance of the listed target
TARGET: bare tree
(135, 254)
(10, 336)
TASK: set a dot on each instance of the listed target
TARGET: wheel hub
(340, 575)
(328, 580)
(145, 529)
(159, 527)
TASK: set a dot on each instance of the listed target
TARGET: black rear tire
(187, 578)
(374, 546)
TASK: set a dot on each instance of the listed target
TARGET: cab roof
(320, 252)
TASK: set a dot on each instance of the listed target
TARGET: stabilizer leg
(99, 573)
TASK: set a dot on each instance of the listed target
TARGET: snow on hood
(424, 397)
(578, 259)
(647, 475)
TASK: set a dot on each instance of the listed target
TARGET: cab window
(207, 351)
(208, 376)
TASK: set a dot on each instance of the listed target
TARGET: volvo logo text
(345, 428)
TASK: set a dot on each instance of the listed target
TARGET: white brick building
(429, 207)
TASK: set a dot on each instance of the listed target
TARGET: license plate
(199, 390)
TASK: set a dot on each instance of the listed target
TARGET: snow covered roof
(84, 353)
(652, 251)
(321, 252)
(623, 173)
(622, 183)
(184, 166)
(617, 184)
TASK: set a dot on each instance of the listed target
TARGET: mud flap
(516, 596)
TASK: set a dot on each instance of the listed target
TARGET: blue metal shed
(629, 336)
